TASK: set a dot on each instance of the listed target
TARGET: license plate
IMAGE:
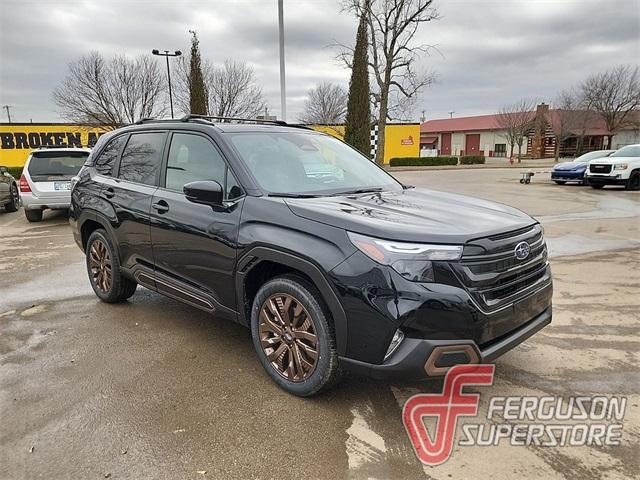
(61, 186)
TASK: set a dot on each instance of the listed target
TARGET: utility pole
(451, 114)
(7, 108)
(166, 55)
(283, 91)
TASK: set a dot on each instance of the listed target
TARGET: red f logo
(446, 407)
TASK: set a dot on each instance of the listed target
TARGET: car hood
(570, 166)
(414, 215)
(612, 160)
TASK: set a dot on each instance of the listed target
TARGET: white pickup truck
(620, 168)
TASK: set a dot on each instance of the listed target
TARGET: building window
(500, 150)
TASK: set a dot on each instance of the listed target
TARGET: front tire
(597, 187)
(293, 337)
(103, 267)
(634, 182)
(560, 182)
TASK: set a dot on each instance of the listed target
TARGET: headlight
(411, 260)
(620, 166)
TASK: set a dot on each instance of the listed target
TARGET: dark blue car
(575, 171)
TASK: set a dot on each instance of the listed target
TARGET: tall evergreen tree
(197, 90)
(358, 122)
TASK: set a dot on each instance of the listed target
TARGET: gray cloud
(491, 52)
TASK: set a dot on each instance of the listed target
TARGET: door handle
(109, 192)
(161, 206)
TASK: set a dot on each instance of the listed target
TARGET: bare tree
(325, 104)
(516, 120)
(234, 92)
(569, 118)
(111, 93)
(393, 25)
(232, 88)
(614, 95)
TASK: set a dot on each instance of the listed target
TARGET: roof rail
(145, 120)
(186, 118)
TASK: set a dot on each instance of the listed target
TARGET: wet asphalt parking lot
(155, 389)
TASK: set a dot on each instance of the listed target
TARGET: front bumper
(617, 179)
(416, 358)
(567, 175)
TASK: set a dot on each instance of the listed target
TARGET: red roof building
(482, 135)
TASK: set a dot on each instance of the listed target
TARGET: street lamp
(166, 54)
(283, 90)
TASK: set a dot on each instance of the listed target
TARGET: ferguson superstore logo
(547, 421)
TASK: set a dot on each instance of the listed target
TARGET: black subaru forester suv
(331, 262)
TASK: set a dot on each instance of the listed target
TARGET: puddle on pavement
(578, 244)
(608, 208)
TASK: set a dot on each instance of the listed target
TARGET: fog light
(395, 343)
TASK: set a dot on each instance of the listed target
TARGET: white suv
(46, 179)
(620, 168)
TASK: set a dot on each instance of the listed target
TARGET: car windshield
(299, 163)
(593, 155)
(57, 163)
(628, 151)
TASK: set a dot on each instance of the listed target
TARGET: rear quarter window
(105, 160)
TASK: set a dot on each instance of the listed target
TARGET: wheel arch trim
(91, 215)
(258, 254)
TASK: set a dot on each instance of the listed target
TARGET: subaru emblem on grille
(522, 250)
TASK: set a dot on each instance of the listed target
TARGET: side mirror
(207, 192)
(3, 170)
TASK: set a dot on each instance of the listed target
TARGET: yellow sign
(401, 139)
(18, 139)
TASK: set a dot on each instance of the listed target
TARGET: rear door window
(56, 164)
(142, 158)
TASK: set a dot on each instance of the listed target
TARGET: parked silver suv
(46, 179)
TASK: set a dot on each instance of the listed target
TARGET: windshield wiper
(360, 190)
(292, 195)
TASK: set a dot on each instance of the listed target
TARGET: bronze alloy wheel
(288, 337)
(100, 264)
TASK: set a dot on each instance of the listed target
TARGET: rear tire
(289, 316)
(33, 215)
(634, 182)
(15, 200)
(103, 267)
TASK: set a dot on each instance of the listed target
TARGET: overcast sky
(490, 52)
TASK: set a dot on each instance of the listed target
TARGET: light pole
(283, 92)
(7, 108)
(166, 54)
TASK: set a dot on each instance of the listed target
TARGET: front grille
(599, 168)
(494, 276)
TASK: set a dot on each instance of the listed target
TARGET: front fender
(254, 256)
